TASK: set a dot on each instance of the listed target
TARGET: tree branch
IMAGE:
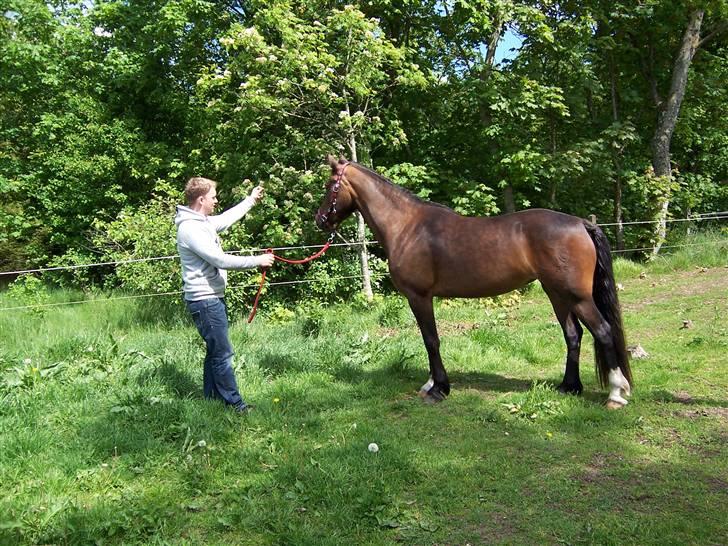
(718, 30)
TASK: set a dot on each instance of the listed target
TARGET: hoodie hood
(186, 213)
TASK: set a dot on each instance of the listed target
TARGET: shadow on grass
(687, 400)
(178, 382)
(278, 364)
(488, 382)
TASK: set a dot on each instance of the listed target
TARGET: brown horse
(433, 251)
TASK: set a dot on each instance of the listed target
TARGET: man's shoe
(243, 409)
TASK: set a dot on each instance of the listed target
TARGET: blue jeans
(210, 317)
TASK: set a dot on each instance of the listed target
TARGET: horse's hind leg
(602, 333)
(572, 335)
(438, 387)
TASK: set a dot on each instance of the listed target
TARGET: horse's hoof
(570, 389)
(615, 405)
(434, 396)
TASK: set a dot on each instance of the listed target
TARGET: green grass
(104, 436)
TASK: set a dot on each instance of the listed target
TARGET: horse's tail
(605, 297)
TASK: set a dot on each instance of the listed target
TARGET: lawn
(105, 438)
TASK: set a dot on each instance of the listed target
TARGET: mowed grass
(105, 438)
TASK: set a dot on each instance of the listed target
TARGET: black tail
(604, 293)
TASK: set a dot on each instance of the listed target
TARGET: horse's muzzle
(322, 221)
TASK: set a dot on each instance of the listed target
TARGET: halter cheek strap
(335, 192)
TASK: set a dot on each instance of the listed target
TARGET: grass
(104, 436)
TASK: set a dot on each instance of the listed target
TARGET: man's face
(208, 202)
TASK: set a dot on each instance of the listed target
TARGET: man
(204, 275)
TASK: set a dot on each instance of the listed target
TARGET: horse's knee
(573, 340)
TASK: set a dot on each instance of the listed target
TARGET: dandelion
(276, 400)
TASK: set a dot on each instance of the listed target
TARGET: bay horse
(434, 251)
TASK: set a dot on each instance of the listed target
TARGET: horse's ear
(332, 161)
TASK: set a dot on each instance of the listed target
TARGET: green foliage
(106, 109)
(147, 231)
(29, 290)
(311, 319)
(391, 312)
(537, 403)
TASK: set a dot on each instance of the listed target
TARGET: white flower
(102, 32)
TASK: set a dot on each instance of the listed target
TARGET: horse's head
(338, 202)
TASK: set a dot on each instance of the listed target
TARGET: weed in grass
(311, 319)
(392, 312)
(400, 361)
(362, 350)
(279, 314)
(538, 402)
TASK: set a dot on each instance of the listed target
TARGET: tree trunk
(510, 203)
(366, 283)
(616, 160)
(618, 212)
(667, 119)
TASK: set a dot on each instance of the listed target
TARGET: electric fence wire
(713, 216)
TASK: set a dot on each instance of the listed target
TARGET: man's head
(201, 195)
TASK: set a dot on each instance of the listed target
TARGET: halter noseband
(335, 192)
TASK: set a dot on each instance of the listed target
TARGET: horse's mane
(404, 192)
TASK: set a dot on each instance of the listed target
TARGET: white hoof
(425, 389)
(616, 404)
(618, 386)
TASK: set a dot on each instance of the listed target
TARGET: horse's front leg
(438, 387)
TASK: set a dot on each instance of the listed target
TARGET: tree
(293, 84)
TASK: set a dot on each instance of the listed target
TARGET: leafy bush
(391, 313)
(31, 291)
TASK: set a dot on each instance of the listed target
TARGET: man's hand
(266, 260)
(257, 193)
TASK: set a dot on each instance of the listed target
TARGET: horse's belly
(460, 284)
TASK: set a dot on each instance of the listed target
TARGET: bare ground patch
(682, 284)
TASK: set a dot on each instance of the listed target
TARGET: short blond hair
(197, 186)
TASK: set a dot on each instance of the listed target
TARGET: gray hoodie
(203, 261)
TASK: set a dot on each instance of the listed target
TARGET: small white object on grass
(373, 447)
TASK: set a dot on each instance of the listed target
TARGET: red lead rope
(286, 260)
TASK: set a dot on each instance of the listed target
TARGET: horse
(432, 251)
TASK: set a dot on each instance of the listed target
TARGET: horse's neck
(384, 208)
